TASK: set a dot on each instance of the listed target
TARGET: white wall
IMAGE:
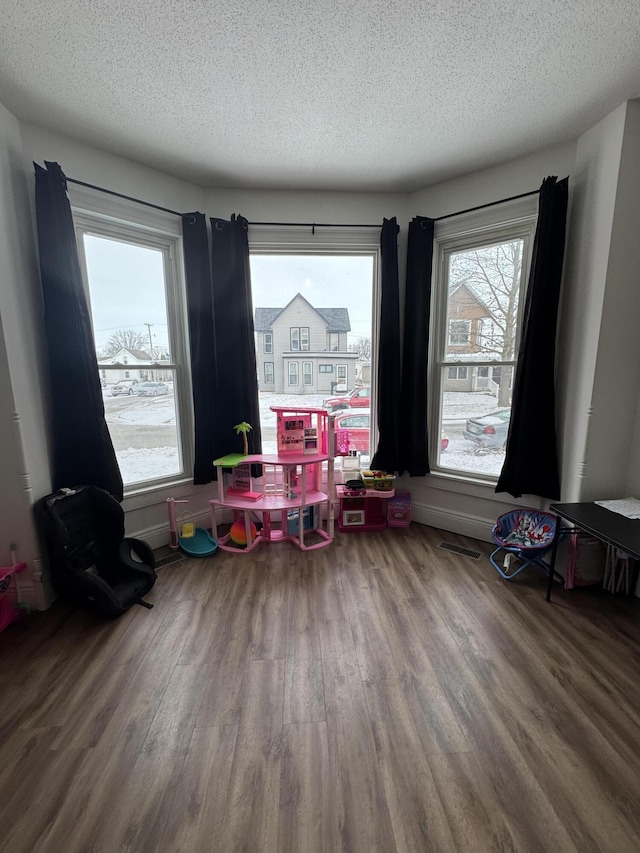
(610, 454)
(22, 433)
(594, 183)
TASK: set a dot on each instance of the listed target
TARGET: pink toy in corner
(8, 613)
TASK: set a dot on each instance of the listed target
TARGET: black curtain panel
(202, 341)
(237, 399)
(81, 447)
(531, 460)
(389, 378)
(414, 447)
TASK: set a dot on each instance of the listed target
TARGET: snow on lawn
(150, 463)
(460, 456)
(458, 405)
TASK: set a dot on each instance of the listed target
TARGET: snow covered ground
(145, 438)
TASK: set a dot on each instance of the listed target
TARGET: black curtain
(414, 447)
(202, 340)
(386, 456)
(81, 447)
(531, 461)
(234, 333)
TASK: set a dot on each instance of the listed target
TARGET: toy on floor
(9, 612)
(195, 541)
(238, 532)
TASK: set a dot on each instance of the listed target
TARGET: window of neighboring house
(480, 265)
(300, 338)
(135, 289)
(457, 373)
(268, 372)
(459, 332)
(125, 359)
(268, 341)
(331, 278)
(307, 373)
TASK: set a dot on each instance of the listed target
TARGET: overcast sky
(326, 281)
(127, 289)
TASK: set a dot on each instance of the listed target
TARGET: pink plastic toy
(8, 612)
(173, 525)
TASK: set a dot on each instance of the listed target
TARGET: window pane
(141, 417)
(476, 425)
(482, 302)
(320, 305)
(129, 314)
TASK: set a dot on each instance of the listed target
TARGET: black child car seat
(92, 563)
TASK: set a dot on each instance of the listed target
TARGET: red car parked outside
(358, 398)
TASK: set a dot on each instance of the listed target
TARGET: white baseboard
(455, 522)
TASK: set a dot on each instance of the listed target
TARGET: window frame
(308, 373)
(267, 347)
(330, 240)
(291, 364)
(273, 377)
(512, 220)
(330, 336)
(121, 220)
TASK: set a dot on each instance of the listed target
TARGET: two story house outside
(303, 350)
(133, 364)
(470, 326)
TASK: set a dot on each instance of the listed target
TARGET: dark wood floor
(378, 695)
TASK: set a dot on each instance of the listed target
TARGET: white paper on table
(629, 507)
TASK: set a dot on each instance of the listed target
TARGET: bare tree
(363, 347)
(493, 275)
(124, 339)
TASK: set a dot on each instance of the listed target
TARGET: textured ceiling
(365, 94)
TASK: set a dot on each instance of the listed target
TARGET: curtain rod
(488, 204)
(312, 225)
(122, 195)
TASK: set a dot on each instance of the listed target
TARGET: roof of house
(337, 319)
(141, 354)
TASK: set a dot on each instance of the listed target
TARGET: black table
(608, 526)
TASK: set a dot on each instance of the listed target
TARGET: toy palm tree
(244, 428)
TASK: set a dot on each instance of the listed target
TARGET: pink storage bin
(399, 510)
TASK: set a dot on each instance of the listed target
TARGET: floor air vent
(457, 549)
(166, 561)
